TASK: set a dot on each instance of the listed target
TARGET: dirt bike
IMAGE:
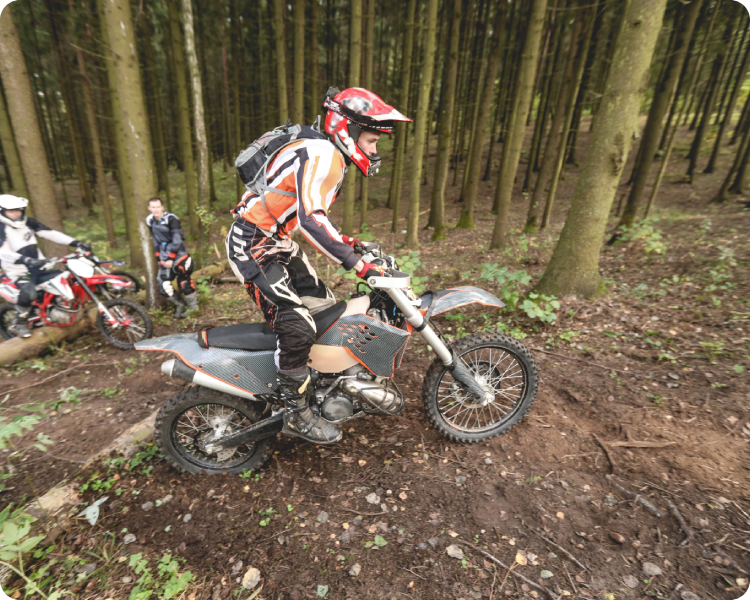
(478, 388)
(62, 295)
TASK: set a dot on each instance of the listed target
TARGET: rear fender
(440, 302)
(248, 372)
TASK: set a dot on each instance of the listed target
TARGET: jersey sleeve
(175, 230)
(6, 254)
(44, 232)
(318, 181)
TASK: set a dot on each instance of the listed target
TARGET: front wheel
(7, 321)
(133, 324)
(194, 418)
(503, 367)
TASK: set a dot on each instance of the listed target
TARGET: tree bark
(659, 105)
(690, 94)
(514, 141)
(315, 87)
(474, 164)
(700, 133)
(420, 125)
(282, 100)
(25, 125)
(740, 157)
(555, 137)
(204, 193)
(574, 267)
(355, 66)
(101, 177)
(367, 82)
(445, 132)
(13, 167)
(298, 115)
(183, 116)
(236, 74)
(729, 111)
(394, 192)
(117, 18)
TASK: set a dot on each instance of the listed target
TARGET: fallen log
(212, 271)
(44, 337)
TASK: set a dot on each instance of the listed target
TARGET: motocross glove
(34, 263)
(371, 270)
(82, 246)
(354, 243)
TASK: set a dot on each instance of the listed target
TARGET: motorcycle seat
(259, 336)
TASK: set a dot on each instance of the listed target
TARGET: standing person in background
(173, 257)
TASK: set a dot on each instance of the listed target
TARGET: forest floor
(649, 382)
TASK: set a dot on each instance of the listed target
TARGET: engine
(357, 391)
(60, 316)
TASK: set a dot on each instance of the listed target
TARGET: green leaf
(380, 541)
(322, 591)
(29, 543)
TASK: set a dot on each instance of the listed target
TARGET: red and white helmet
(353, 111)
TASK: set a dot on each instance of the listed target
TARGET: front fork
(99, 305)
(458, 369)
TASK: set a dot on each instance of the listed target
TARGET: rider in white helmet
(21, 258)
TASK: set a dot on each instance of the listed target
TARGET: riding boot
(299, 420)
(21, 323)
(179, 307)
(192, 303)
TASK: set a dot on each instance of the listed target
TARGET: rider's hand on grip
(34, 263)
(371, 270)
(354, 243)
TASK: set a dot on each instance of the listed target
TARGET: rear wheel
(133, 324)
(503, 367)
(7, 319)
(195, 417)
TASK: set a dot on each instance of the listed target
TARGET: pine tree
(355, 60)
(574, 267)
(298, 115)
(517, 127)
(278, 14)
(13, 168)
(117, 20)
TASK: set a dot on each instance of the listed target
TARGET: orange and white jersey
(313, 170)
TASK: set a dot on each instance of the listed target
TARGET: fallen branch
(361, 514)
(561, 549)
(606, 453)
(637, 498)
(680, 520)
(526, 580)
(46, 379)
(639, 444)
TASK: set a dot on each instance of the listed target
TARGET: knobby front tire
(141, 327)
(502, 366)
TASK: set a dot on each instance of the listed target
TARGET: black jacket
(166, 234)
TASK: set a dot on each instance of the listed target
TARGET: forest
(585, 161)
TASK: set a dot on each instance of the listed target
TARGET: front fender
(440, 302)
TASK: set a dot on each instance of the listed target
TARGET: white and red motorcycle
(63, 294)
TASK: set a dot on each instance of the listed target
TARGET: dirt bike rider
(273, 268)
(173, 257)
(20, 256)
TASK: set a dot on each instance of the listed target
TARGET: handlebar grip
(394, 273)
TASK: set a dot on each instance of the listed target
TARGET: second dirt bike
(476, 389)
(63, 293)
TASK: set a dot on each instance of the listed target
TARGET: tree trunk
(282, 100)
(420, 127)
(70, 110)
(729, 112)
(367, 82)
(743, 154)
(700, 133)
(555, 137)
(740, 158)
(517, 128)
(474, 164)
(691, 89)
(574, 267)
(118, 22)
(314, 89)
(447, 105)
(298, 115)
(183, 116)
(562, 149)
(204, 193)
(25, 126)
(13, 167)
(659, 105)
(236, 74)
(394, 193)
(101, 177)
(355, 64)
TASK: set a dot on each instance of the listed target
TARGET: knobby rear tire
(437, 372)
(4, 320)
(195, 396)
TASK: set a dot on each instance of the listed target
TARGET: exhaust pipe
(387, 401)
(179, 370)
